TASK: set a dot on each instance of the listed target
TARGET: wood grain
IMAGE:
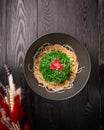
(2, 37)
(101, 30)
(79, 19)
(101, 57)
(21, 23)
(21, 32)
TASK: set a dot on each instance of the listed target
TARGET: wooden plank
(21, 27)
(101, 57)
(2, 37)
(21, 32)
(79, 19)
(101, 30)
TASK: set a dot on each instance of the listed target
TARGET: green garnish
(55, 76)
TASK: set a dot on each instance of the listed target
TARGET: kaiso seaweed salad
(55, 67)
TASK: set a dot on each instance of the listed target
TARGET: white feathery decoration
(11, 83)
(18, 92)
(11, 91)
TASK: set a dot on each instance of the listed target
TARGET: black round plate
(83, 58)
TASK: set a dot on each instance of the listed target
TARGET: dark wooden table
(21, 23)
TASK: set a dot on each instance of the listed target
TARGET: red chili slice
(55, 65)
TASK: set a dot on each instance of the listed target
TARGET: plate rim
(84, 84)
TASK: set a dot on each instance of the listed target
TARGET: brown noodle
(74, 66)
